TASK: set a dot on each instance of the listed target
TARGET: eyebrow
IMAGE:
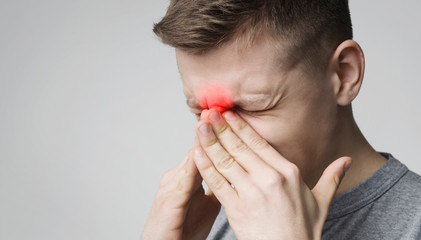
(249, 101)
(192, 104)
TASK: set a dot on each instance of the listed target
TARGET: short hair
(310, 28)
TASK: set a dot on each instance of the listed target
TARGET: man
(272, 84)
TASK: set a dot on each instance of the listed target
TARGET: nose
(216, 97)
(219, 108)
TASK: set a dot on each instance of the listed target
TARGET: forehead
(252, 75)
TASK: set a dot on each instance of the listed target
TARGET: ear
(347, 67)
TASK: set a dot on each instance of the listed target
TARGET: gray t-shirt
(387, 205)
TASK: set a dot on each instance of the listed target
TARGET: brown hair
(311, 28)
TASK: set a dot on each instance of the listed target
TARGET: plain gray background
(92, 111)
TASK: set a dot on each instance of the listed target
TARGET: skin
(281, 148)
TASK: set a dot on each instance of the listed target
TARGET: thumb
(326, 187)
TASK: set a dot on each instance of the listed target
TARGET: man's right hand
(181, 209)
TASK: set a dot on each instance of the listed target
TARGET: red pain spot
(216, 97)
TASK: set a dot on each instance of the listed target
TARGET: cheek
(268, 128)
(286, 135)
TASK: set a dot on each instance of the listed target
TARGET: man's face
(293, 110)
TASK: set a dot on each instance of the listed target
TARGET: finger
(178, 185)
(191, 166)
(235, 146)
(223, 162)
(218, 185)
(326, 187)
(168, 176)
(204, 114)
(199, 179)
(186, 177)
(255, 142)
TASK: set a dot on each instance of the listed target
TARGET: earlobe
(348, 71)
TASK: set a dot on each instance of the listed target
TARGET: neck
(352, 143)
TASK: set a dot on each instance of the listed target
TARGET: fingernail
(198, 153)
(205, 129)
(204, 114)
(215, 116)
(229, 116)
(347, 166)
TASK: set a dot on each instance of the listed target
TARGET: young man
(272, 83)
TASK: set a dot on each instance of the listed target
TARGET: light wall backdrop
(92, 111)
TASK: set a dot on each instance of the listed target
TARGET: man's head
(286, 66)
(302, 30)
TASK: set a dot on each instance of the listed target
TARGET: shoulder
(385, 206)
(406, 194)
(411, 180)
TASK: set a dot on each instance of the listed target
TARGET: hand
(262, 193)
(181, 209)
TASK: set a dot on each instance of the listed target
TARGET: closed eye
(250, 112)
(236, 109)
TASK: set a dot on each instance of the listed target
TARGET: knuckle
(213, 141)
(226, 162)
(336, 180)
(223, 128)
(180, 186)
(216, 181)
(166, 178)
(293, 172)
(239, 147)
(161, 196)
(241, 125)
(273, 178)
(259, 143)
